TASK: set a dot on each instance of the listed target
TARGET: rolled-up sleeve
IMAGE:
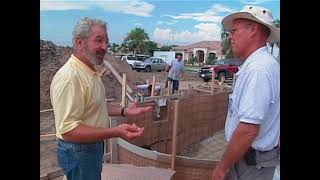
(68, 104)
(255, 98)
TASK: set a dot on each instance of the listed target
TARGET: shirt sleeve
(68, 105)
(255, 99)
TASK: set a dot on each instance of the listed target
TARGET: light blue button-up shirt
(256, 99)
(177, 67)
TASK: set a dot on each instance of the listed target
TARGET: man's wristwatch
(122, 112)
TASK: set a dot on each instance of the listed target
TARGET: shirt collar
(250, 59)
(82, 65)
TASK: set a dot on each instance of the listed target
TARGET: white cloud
(255, 1)
(167, 22)
(211, 15)
(62, 6)
(221, 8)
(138, 24)
(205, 32)
(139, 8)
(198, 17)
(162, 34)
(134, 7)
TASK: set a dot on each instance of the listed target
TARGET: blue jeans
(175, 84)
(80, 161)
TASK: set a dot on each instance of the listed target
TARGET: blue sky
(166, 22)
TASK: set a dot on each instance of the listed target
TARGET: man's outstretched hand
(133, 110)
(128, 132)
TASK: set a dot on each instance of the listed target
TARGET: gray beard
(92, 58)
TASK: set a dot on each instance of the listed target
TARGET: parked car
(224, 68)
(130, 59)
(150, 64)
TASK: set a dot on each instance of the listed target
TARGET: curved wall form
(199, 117)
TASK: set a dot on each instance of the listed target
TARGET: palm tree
(150, 47)
(136, 40)
(124, 48)
(113, 47)
(226, 44)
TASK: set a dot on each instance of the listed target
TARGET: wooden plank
(47, 137)
(54, 174)
(117, 75)
(113, 142)
(174, 133)
(202, 90)
(137, 150)
(187, 161)
(107, 157)
(124, 83)
(169, 88)
(212, 83)
(46, 110)
(43, 177)
(129, 96)
(153, 85)
(173, 96)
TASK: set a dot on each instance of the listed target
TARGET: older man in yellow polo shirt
(81, 112)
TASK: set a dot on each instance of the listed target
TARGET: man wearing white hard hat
(252, 126)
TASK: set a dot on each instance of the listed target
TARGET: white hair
(83, 27)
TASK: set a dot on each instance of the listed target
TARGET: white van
(167, 56)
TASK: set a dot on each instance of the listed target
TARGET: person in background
(176, 71)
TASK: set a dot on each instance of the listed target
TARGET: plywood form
(200, 117)
(186, 168)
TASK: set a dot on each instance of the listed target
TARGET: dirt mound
(52, 57)
(113, 87)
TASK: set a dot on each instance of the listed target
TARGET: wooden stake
(169, 87)
(174, 133)
(124, 83)
(212, 82)
(222, 79)
(153, 85)
(189, 89)
(46, 110)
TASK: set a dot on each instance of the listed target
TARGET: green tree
(150, 47)
(124, 48)
(211, 58)
(226, 44)
(136, 40)
(113, 47)
(166, 48)
(192, 60)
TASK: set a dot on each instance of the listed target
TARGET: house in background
(201, 50)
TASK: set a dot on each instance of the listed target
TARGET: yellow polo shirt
(78, 97)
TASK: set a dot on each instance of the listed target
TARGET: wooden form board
(199, 117)
(186, 168)
(119, 78)
(117, 75)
